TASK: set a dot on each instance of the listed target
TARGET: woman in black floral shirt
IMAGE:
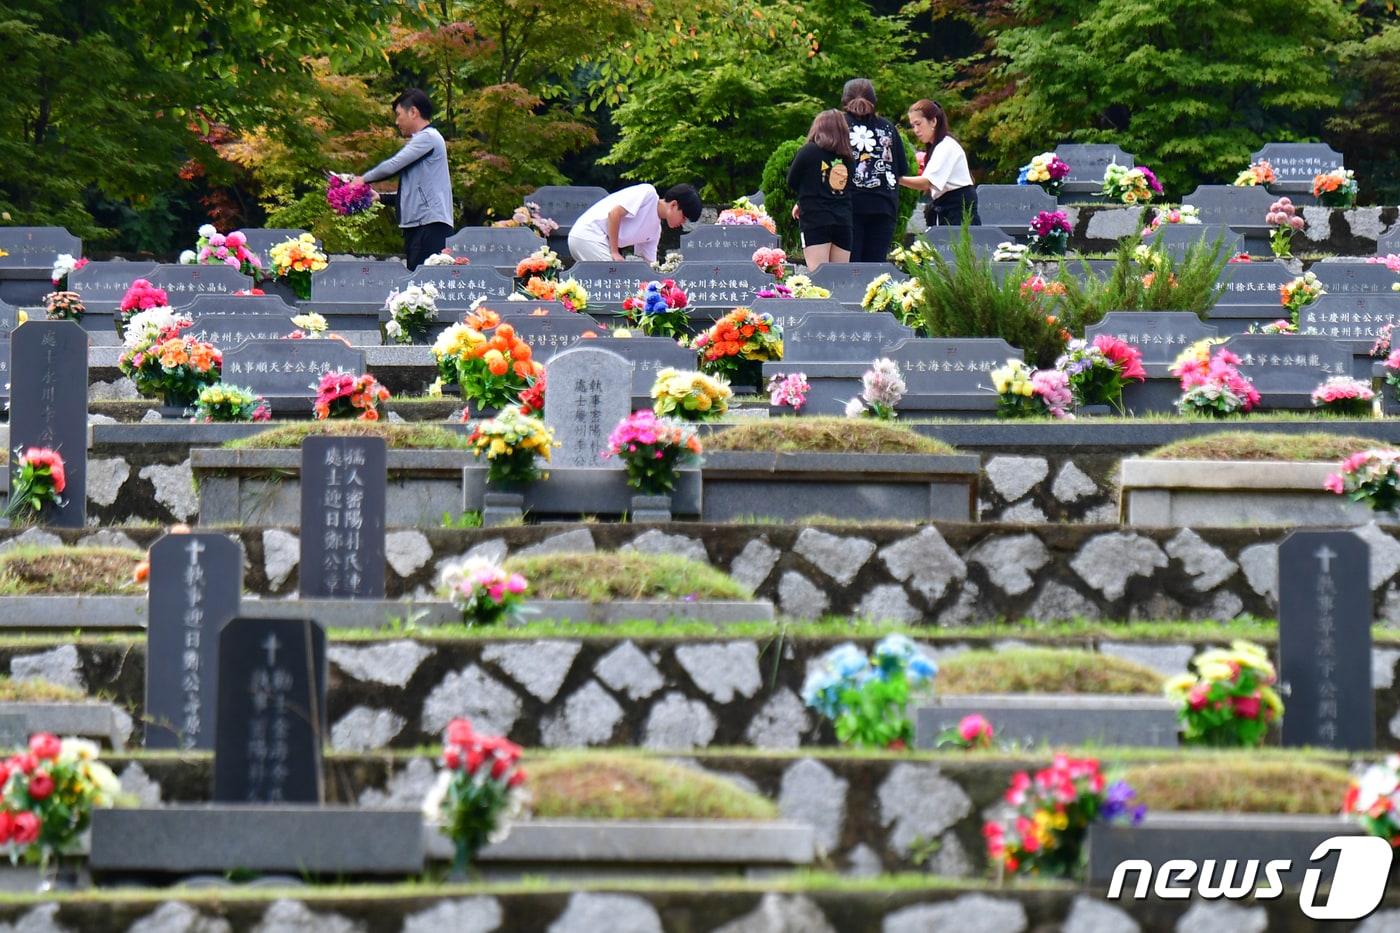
(880, 160)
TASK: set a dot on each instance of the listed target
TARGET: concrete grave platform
(1039, 720)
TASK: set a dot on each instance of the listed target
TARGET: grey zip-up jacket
(425, 187)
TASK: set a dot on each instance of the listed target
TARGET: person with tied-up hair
(878, 152)
(820, 176)
(425, 185)
(945, 175)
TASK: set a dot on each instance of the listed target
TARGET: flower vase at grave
(650, 509)
(175, 406)
(1052, 244)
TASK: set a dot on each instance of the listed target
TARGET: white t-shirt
(640, 227)
(947, 168)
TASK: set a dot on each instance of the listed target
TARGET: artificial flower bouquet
(1280, 326)
(217, 249)
(1098, 371)
(1284, 221)
(745, 213)
(1299, 293)
(348, 197)
(63, 306)
(412, 312)
(653, 450)
(689, 395)
(1026, 393)
(528, 215)
(342, 395)
(1227, 699)
(37, 481)
(1372, 799)
(542, 263)
(1050, 815)
(163, 360)
(1336, 188)
(483, 592)
(1211, 383)
(1185, 214)
(1049, 233)
(1130, 185)
(902, 299)
(532, 396)
(220, 403)
(1011, 252)
(771, 260)
(47, 795)
(1391, 366)
(658, 309)
(1343, 395)
(446, 258)
(140, 296)
(64, 264)
(973, 731)
(914, 257)
(739, 342)
(571, 294)
(294, 260)
(788, 391)
(867, 698)
(1047, 170)
(487, 359)
(309, 326)
(480, 790)
(1258, 173)
(511, 442)
(800, 286)
(1369, 476)
(882, 389)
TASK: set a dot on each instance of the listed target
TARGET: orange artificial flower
(482, 319)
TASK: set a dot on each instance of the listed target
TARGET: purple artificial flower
(1152, 181)
(1120, 800)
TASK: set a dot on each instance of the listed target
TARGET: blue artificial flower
(1022, 178)
(822, 691)
(846, 661)
(893, 652)
(1119, 799)
(922, 668)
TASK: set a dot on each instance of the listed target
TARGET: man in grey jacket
(425, 187)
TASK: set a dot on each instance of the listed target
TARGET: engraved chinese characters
(590, 392)
(271, 719)
(196, 583)
(49, 408)
(342, 517)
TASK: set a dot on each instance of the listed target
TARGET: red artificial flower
(24, 763)
(1246, 707)
(44, 745)
(26, 828)
(1127, 358)
(7, 826)
(40, 785)
(459, 732)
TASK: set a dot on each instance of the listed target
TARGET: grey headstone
(551, 333)
(366, 282)
(985, 239)
(788, 311)
(262, 239)
(240, 304)
(610, 283)
(343, 500)
(9, 317)
(1232, 205)
(229, 330)
(648, 355)
(1297, 163)
(1087, 162)
(565, 204)
(182, 282)
(1160, 335)
(1347, 278)
(716, 242)
(1056, 721)
(36, 247)
(49, 399)
(103, 284)
(718, 284)
(1388, 242)
(1324, 631)
(271, 712)
(1079, 268)
(1012, 207)
(950, 366)
(14, 731)
(1355, 316)
(459, 286)
(196, 583)
(847, 281)
(1176, 239)
(495, 246)
(1285, 364)
(1254, 283)
(590, 391)
(847, 336)
(286, 372)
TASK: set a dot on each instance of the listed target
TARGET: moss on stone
(1250, 445)
(1292, 786)
(396, 436)
(102, 571)
(626, 575)
(824, 435)
(1044, 670)
(629, 787)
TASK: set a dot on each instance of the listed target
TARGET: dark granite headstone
(788, 311)
(271, 713)
(1389, 242)
(495, 246)
(718, 284)
(843, 337)
(1350, 278)
(1284, 364)
(103, 284)
(648, 355)
(1253, 283)
(1176, 239)
(1012, 207)
(609, 283)
(950, 367)
(847, 281)
(590, 391)
(9, 318)
(459, 286)
(182, 282)
(1054, 721)
(1087, 162)
(565, 204)
(229, 330)
(1354, 316)
(366, 282)
(36, 247)
(195, 586)
(985, 239)
(551, 333)
(343, 499)
(1295, 164)
(49, 396)
(286, 372)
(1160, 335)
(262, 239)
(1235, 206)
(241, 304)
(723, 242)
(1324, 632)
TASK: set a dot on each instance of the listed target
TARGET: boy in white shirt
(631, 217)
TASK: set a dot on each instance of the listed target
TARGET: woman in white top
(945, 175)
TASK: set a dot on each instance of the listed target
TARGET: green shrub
(1188, 284)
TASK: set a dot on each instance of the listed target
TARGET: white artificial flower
(145, 325)
(854, 408)
(72, 749)
(62, 266)
(514, 296)
(439, 259)
(392, 328)
(187, 258)
(206, 231)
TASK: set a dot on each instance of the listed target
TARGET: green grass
(631, 787)
(1243, 445)
(626, 575)
(824, 435)
(1044, 670)
(37, 691)
(1291, 786)
(396, 436)
(102, 571)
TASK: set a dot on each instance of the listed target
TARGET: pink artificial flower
(1334, 483)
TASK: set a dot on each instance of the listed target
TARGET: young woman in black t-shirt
(820, 174)
(880, 160)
